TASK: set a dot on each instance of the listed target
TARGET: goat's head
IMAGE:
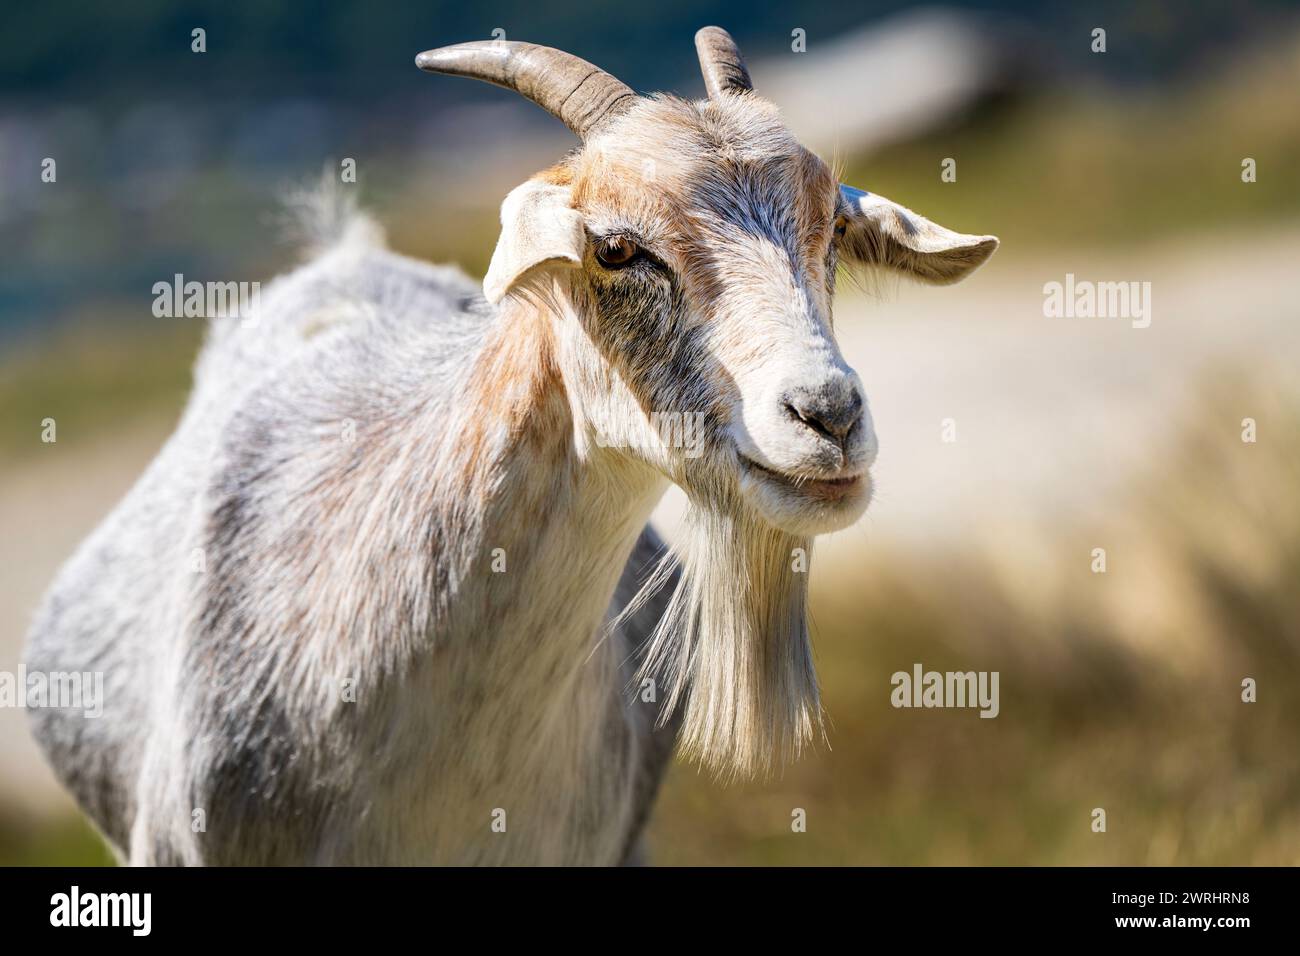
(694, 246)
(699, 244)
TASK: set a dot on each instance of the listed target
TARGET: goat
(425, 623)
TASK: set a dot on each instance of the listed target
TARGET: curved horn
(721, 63)
(569, 88)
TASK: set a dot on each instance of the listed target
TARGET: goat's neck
(554, 514)
(515, 694)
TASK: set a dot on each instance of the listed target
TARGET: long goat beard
(733, 647)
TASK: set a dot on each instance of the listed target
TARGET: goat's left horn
(580, 95)
(721, 63)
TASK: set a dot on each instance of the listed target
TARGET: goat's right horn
(580, 95)
(721, 63)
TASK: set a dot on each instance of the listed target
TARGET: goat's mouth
(829, 490)
(801, 503)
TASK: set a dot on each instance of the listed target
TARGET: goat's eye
(841, 226)
(616, 251)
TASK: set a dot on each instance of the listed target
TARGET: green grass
(90, 376)
(1072, 170)
(65, 841)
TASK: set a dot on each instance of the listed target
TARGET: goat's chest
(504, 756)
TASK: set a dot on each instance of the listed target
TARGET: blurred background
(1119, 690)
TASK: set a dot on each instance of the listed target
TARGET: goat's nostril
(810, 419)
(832, 420)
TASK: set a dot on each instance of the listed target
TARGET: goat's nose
(831, 409)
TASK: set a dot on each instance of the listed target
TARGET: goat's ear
(538, 227)
(883, 233)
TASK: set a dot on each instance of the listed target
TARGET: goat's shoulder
(320, 428)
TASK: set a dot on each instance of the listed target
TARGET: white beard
(734, 644)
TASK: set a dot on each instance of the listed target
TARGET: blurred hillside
(174, 161)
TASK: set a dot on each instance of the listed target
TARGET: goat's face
(710, 266)
(698, 244)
